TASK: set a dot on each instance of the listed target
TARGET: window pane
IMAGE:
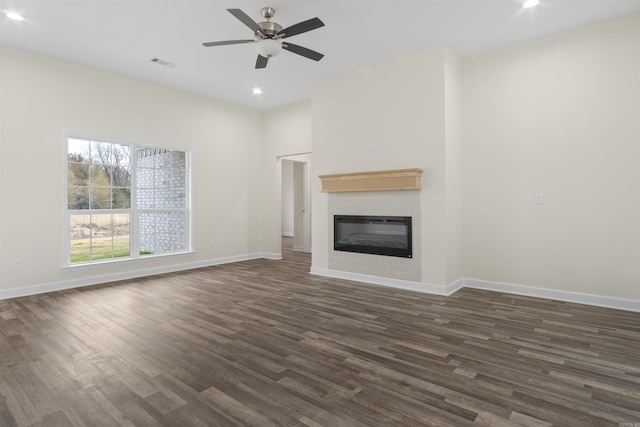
(163, 232)
(80, 251)
(164, 199)
(80, 234)
(78, 174)
(101, 248)
(178, 160)
(78, 198)
(147, 233)
(170, 199)
(121, 224)
(100, 198)
(121, 163)
(163, 159)
(101, 153)
(144, 177)
(162, 178)
(145, 157)
(80, 226)
(121, 234)
(178, 221)
(144, 199)
(179, 199)
(178, 178)
(100, 175)
(121, 198)
(78, 151)
(102, 236)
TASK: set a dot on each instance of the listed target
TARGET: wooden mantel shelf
(402, 179)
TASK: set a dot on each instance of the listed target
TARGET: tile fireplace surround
(369, 193)
(385, 203)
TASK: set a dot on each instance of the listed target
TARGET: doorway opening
(296, 201)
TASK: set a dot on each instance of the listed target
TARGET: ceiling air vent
(163, 62)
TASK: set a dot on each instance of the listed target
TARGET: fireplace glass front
(380, 235)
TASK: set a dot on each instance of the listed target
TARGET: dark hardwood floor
(264, 343)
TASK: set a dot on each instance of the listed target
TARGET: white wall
(299, 205)
(287, 198)
(558, 116)
(286, 131)
(41, 98)
(453, 164)
(387, 116)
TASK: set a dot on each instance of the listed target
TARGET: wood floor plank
(263, 343)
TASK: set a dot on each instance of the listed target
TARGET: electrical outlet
(212, 244)
(539, 198)
(17, 264)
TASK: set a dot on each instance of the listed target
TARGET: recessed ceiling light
(15, 16)
(530, 3)
(257, 91)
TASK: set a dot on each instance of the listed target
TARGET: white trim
(510, 288)
(64, 200)
(383, 281)
(287, 234)
(567, 296)
(455, 286)
(121, 261)
(271, 255)
(107, 278)
(305, 249)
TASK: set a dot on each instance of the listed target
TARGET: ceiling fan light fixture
(268, 48)
(530, 3)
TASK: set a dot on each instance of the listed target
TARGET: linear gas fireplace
(380, 235)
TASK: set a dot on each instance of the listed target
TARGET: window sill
(122, 261)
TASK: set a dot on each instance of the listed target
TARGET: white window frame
(133, 211)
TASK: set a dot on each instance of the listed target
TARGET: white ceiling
(122, 36)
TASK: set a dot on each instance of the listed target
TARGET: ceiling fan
(269, 36)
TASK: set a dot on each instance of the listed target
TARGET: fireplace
(380, 235)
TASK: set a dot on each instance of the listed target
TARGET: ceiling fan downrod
(269, 29)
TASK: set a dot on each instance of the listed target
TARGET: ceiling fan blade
(224, 43)
(261, 62)
(302, 51)
(246, 20)
(301, 27)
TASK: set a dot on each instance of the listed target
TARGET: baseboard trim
(465, 282)
(114, 277)
(566, 296)
(455, 286)
(287, 234)
(487, 285)
(382, 281)
(301, 249)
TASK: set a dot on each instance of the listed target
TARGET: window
(125, 200)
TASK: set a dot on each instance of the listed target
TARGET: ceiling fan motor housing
(269, 29)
